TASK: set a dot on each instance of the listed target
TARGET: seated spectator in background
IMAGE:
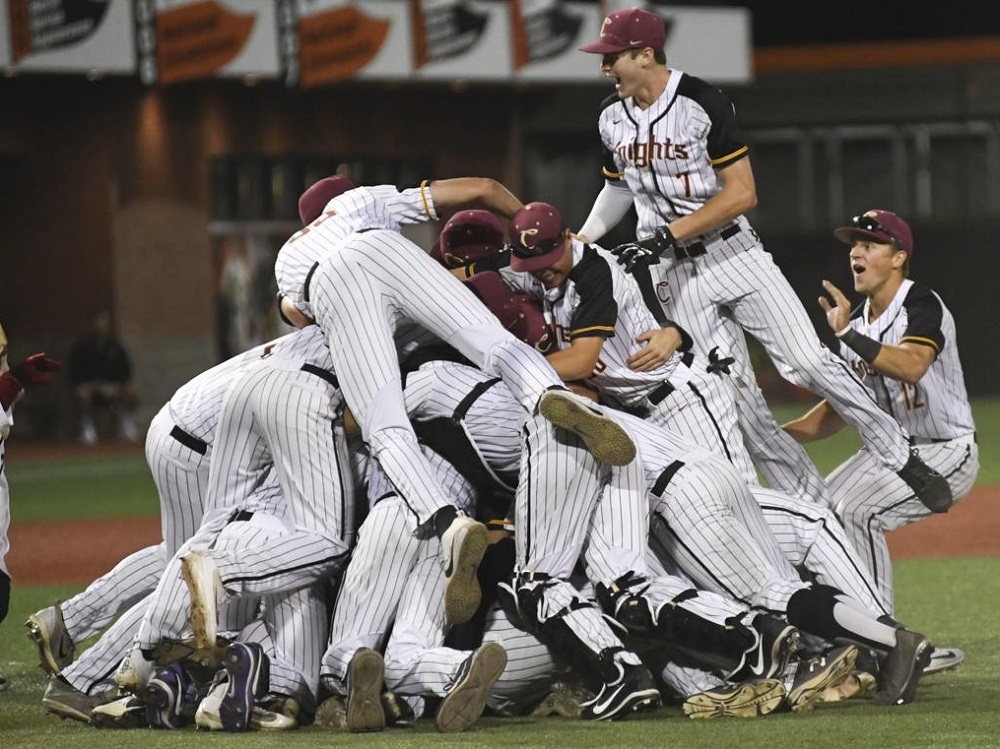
(100, 372)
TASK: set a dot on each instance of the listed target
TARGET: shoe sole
(467, 699)
(751, 700)
(364, 698)
(203, 622)
(129, 718)
(38, 632)
(248, 675)
(462, 593)
(605, 439)
(921, 657)
(803, 697)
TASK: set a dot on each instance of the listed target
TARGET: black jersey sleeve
(726, 142)
(597, 311)
(923, 318)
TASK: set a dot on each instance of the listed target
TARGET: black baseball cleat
(632, 691)
(903, 667)
(776, 641)
(930, 486)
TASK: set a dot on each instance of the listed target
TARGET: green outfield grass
(954, 601)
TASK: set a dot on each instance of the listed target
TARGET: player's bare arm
(907, 362)
(738, 194)
(660, 345)
(817, 423)
(579, 360)
(473, 192)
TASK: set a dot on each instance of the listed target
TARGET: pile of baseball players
(521, 473)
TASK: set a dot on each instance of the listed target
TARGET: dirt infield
(47, 553)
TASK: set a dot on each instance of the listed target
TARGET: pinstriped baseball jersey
(599, 299)
(377, 207)
(937, 407)
(669, 152)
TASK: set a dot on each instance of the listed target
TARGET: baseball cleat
(248, 668)
(462, 547)
(165, 698)
(775, 642)
(205, 587)
(632, 691)
(127, 712)
(466, 699)
(944, 659)
(365, 676)
(47, 630)
(857, 684)
(63, 699)
(604, 438)
(815, 676)
(930, 486)
(134, 672)
(331, 713)
(262, 718)
(903, 667)
(750, 699)
(565, 699)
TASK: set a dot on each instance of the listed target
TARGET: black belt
(937, 440)
(193, 443)
(305, 284)
(695, 249)
(240, 516)
(322, 374)
(664, 389)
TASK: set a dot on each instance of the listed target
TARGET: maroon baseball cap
(537, 233)
(469, 236)
(632, 28)
(518, 313)
(314, 200)
(878, 225)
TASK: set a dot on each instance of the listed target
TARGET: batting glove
(647, 251)
(36, 369)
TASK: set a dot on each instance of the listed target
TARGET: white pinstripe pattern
(93, 669)
(707, 520)
(811, 536)
(738, 276)
(181, 477)
(129, 581)
(872, 501)
(361, 293)
(6, 422)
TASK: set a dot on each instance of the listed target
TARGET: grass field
(953, 600)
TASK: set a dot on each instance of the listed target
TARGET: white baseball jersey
(599, 299)
(178, 451)
(365, 281)
(723, 283)
(871, 500)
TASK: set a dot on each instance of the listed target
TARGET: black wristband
(865, 347)
(495, 262)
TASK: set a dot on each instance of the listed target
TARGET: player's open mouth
(858, 269)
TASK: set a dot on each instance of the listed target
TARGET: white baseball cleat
(205, 587)
(944, 659)
(604, 438)
(134, 672)
(463, 545)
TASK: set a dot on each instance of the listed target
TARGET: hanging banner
(67, 36)
(338, 40)
(182, 41)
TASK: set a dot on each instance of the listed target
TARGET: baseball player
(178, 450)
(674, 150)
(352, 272)
(283, 413)
(35, 370)
(707, 524)
(902, 342)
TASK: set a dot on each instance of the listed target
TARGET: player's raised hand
(838, 314)
(36, 369)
